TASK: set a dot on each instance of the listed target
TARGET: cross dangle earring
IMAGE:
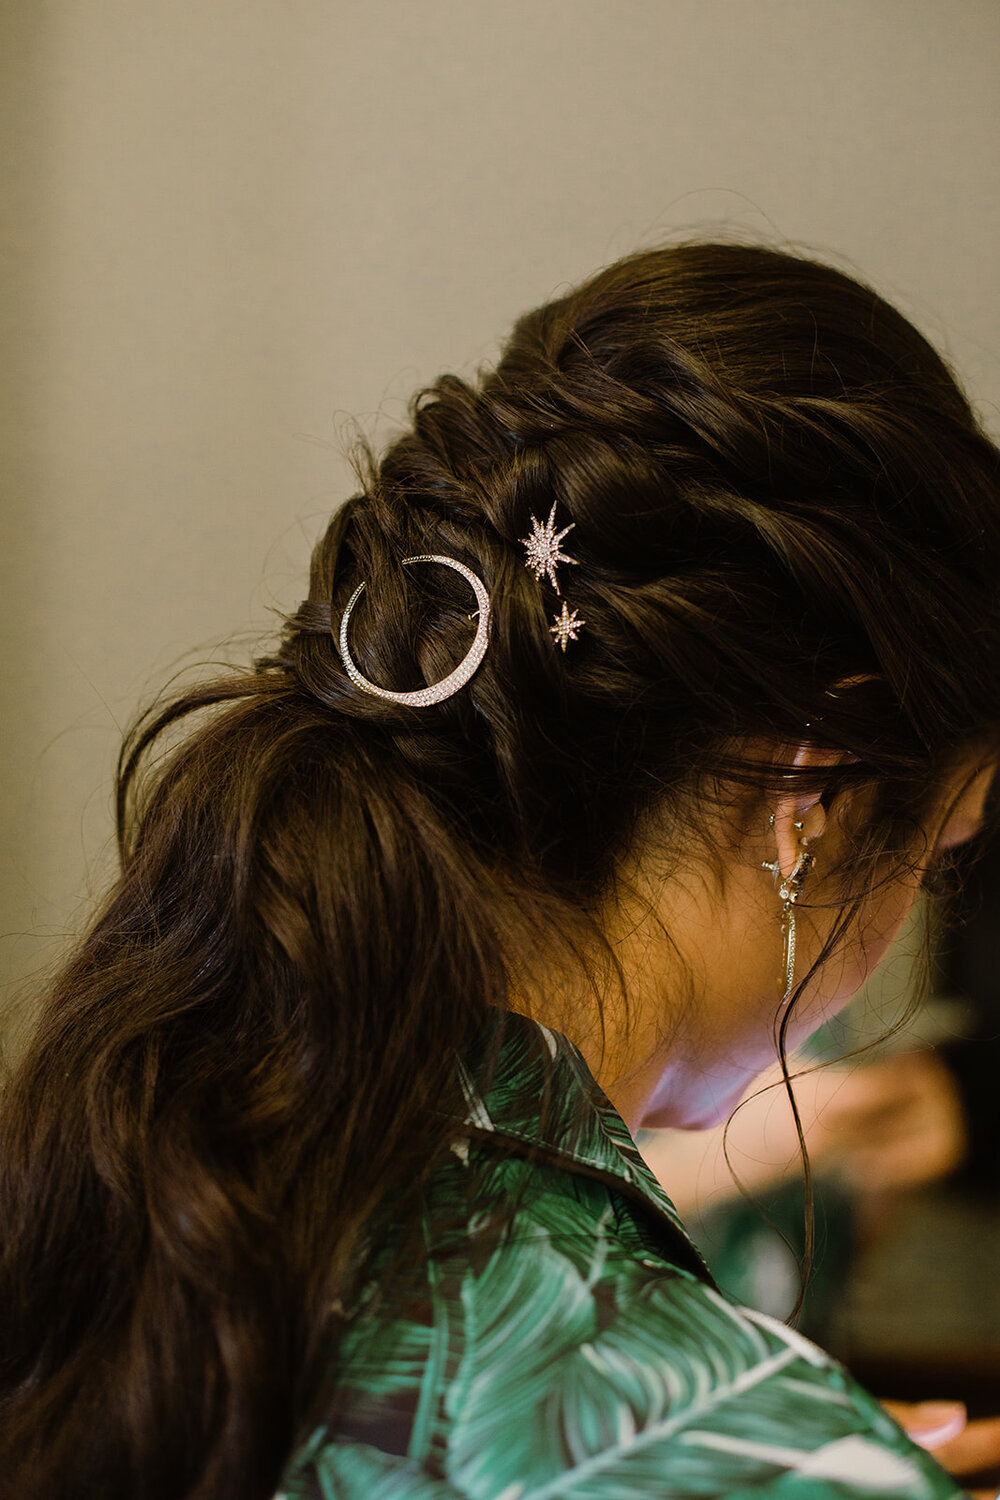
(789, 891)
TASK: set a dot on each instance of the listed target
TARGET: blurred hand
(964, 1448)
(892, 1125)
(881, 1127)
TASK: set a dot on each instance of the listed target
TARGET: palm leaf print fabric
(561, 1339)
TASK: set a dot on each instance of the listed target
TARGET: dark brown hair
(784, 513)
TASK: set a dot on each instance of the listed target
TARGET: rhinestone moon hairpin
(543, 549)
(455, 680)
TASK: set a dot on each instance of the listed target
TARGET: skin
(966, 1449)
(686, 1065)
(880, 1127)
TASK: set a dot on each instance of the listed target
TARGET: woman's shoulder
(554, 1348)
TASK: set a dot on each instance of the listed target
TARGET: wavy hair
(785, 513)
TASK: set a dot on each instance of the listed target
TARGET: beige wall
(237, 222)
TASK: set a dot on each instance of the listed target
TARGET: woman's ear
(799, 817)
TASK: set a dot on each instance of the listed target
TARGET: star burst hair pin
(567, 625)
(543, 548)
(544, 554)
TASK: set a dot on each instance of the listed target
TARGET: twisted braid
(741, 514)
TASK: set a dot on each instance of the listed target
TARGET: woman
(633, 701)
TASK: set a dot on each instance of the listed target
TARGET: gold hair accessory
(543, 548)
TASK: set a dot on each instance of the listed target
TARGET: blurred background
(238, 230)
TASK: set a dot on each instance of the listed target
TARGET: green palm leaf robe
(560, 1338)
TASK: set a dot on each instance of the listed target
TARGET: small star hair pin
(567, 626)
(544, 555)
